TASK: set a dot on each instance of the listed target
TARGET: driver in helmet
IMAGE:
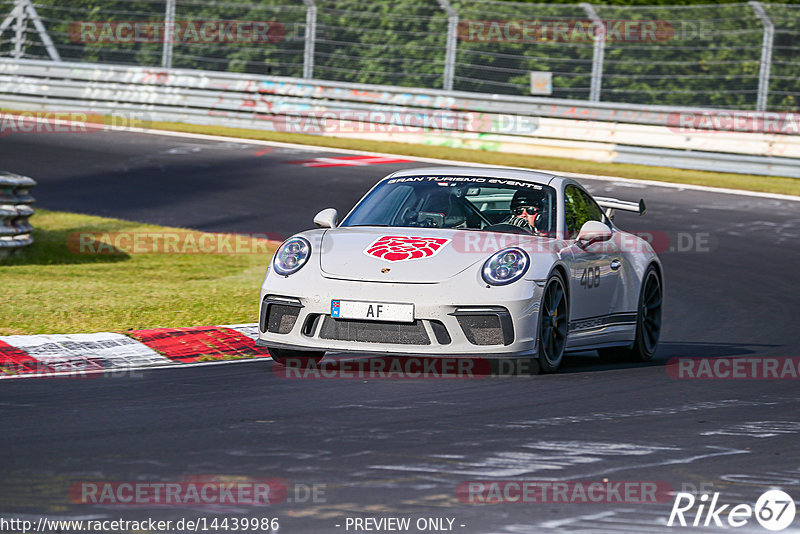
(527, 211)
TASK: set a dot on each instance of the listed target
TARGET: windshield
(476, 203)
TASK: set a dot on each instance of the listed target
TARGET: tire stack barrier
(15, 210)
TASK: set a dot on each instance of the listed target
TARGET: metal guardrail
(728, 56)
(15, 210)
(625, 133)
(164, 86)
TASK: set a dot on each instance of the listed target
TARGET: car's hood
(406, 255)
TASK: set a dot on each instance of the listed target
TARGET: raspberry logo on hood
(399, 248)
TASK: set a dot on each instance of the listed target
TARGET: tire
(281, 356)
(552, 330)
(648, 324)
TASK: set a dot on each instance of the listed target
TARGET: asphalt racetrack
(401, 448)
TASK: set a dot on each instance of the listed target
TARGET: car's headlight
(506, 266)
(291, 256)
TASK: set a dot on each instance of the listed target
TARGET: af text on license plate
(372, 311)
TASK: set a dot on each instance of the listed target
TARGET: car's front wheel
(553, 324)
(295, 357)
(648, 324)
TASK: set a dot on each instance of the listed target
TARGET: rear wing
(611, 204)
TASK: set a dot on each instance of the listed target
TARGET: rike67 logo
(774, 510)
(398, 248)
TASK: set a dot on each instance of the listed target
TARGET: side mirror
(592, 232)
(327, 218)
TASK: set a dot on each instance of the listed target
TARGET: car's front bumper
(361, 351)
(514, 308)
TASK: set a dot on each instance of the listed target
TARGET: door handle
(615, 265)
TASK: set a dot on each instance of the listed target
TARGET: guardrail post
(311, 35)
(169, 34)
(17, 15)
(766, 55)
(598, 52)
(43, 35)
(452, 44)
(19, 30)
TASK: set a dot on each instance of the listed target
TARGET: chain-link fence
(734, 56)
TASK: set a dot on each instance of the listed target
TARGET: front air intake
(279, 314)
(374, 332)
(486, 326)
(281, 318)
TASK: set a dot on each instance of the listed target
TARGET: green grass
(49, 288)
(747, 182)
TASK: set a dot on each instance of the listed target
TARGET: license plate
(372, 311)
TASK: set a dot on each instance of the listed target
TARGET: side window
(579, 208)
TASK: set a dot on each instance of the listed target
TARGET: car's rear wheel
(648, 324)
(295, 357)
(553, 324)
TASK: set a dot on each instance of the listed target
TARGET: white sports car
(473, 262)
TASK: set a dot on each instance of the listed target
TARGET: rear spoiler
(611, 204)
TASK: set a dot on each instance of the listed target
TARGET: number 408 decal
(590, 277)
